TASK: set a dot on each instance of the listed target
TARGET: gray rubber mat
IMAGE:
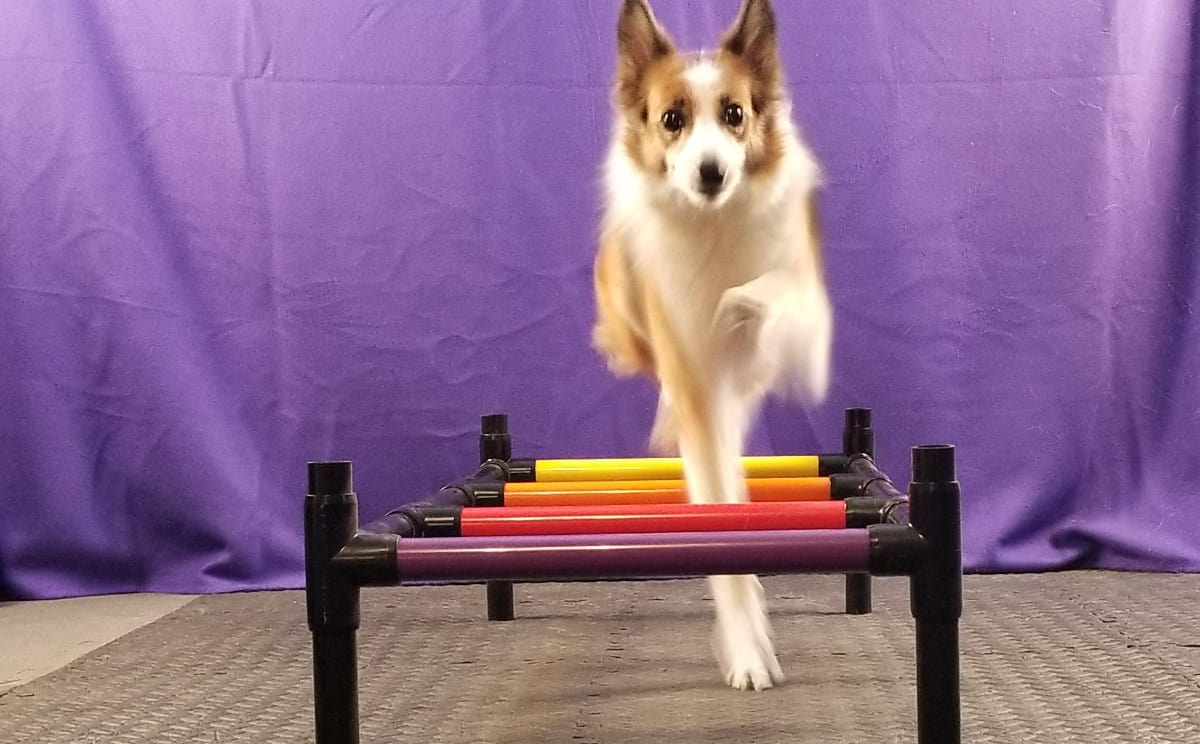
(1073, 657)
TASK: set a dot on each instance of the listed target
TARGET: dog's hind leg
(664, 434)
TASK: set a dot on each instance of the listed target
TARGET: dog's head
(704, 123)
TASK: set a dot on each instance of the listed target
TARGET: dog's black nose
(712, 177)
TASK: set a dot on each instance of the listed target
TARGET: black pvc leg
(858, 594)
(335, 686)
(938, 716)
(330, 521)
(500, 600)
(858, 438)
(936, 593)
(495, 443)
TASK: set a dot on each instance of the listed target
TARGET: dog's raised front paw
(739, 316)
(739, 324)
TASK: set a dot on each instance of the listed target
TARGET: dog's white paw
(747, 658)
(747, 665)
(740, 316)
(743, 637)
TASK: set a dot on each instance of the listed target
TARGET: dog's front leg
(711, 420)
(750, 319)
(743, 638)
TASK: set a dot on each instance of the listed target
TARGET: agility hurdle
(626, 480)
(849, 519)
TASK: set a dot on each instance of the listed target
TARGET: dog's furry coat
(708, 276)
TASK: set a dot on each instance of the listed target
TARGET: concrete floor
(37, 638)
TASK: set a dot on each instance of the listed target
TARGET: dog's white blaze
(706, 138)
(702, 75)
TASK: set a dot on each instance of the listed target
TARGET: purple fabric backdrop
(235, 236)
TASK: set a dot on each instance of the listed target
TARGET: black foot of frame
(858, 438)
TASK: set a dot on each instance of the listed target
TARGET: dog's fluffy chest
(693, 259)
(692, 255)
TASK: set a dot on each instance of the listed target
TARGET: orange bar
(596, 493)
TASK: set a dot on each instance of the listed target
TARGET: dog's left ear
(753, 38)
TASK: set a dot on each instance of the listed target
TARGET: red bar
(512, 521)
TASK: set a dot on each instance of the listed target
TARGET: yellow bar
(670, 468)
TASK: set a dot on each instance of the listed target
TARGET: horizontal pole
(395, 523)
(647, 518)
(877, 484)
(660, 491)
(630, 556)
(671, 468)
(897, 513)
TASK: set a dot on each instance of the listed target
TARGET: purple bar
(630, 556)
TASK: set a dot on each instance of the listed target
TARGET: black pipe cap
(858, 418)
(933, 463)
(328, 477)
(494, 423)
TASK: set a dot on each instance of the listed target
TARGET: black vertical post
(858, 438)
(330, 521)
(935, 510)
(495, 443)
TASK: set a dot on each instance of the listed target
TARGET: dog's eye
(672, 120)
(733, 115)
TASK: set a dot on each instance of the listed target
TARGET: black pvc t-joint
(843, 486)
(831, 464)
(330, 522)
(864, 511)
(483, 493)
(495, 443)
(895, 549)
(491, 470)
(935, 510)
(522, 470)
(436, 520)
(858, 437)
(369, 559)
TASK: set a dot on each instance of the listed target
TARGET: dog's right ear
(640, 41)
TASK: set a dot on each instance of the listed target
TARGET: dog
(708, 275)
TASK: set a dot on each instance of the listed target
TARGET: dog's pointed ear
(753, 38)
(640, 41)
(640, 38)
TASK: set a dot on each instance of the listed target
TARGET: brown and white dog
(708, 276)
